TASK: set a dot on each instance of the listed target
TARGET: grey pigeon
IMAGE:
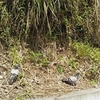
(14, 74)
(71, 80)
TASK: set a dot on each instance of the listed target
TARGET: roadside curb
(89, 94)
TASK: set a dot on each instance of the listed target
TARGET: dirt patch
(38, 81)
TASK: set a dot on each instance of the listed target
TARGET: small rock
(4, 73)
(1, 77)
(53, 63)
(95, 85)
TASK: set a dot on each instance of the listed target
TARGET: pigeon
(71, 80)
(14, 74)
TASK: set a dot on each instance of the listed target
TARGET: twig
(4, 57)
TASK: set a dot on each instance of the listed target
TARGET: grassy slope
(41, 73)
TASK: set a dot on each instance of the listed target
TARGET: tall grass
(38, 21)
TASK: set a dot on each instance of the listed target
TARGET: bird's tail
(12, 79)
(65, 80)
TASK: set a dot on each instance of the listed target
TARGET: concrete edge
(71, 94)
(78, 93)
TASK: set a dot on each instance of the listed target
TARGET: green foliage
(4, 15)
(39, 59)
(81, 49)
(91, 54)
(62, 59)
(4, 25)
(35, 56)
(86, 51)
(20, 76)
(44, 62)
(26, 94)
(60, 70)
(93, 82)
(23, 83)
(36, 20)
(5, 35)
(73, 63)
(20, 98)
(14, 55)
